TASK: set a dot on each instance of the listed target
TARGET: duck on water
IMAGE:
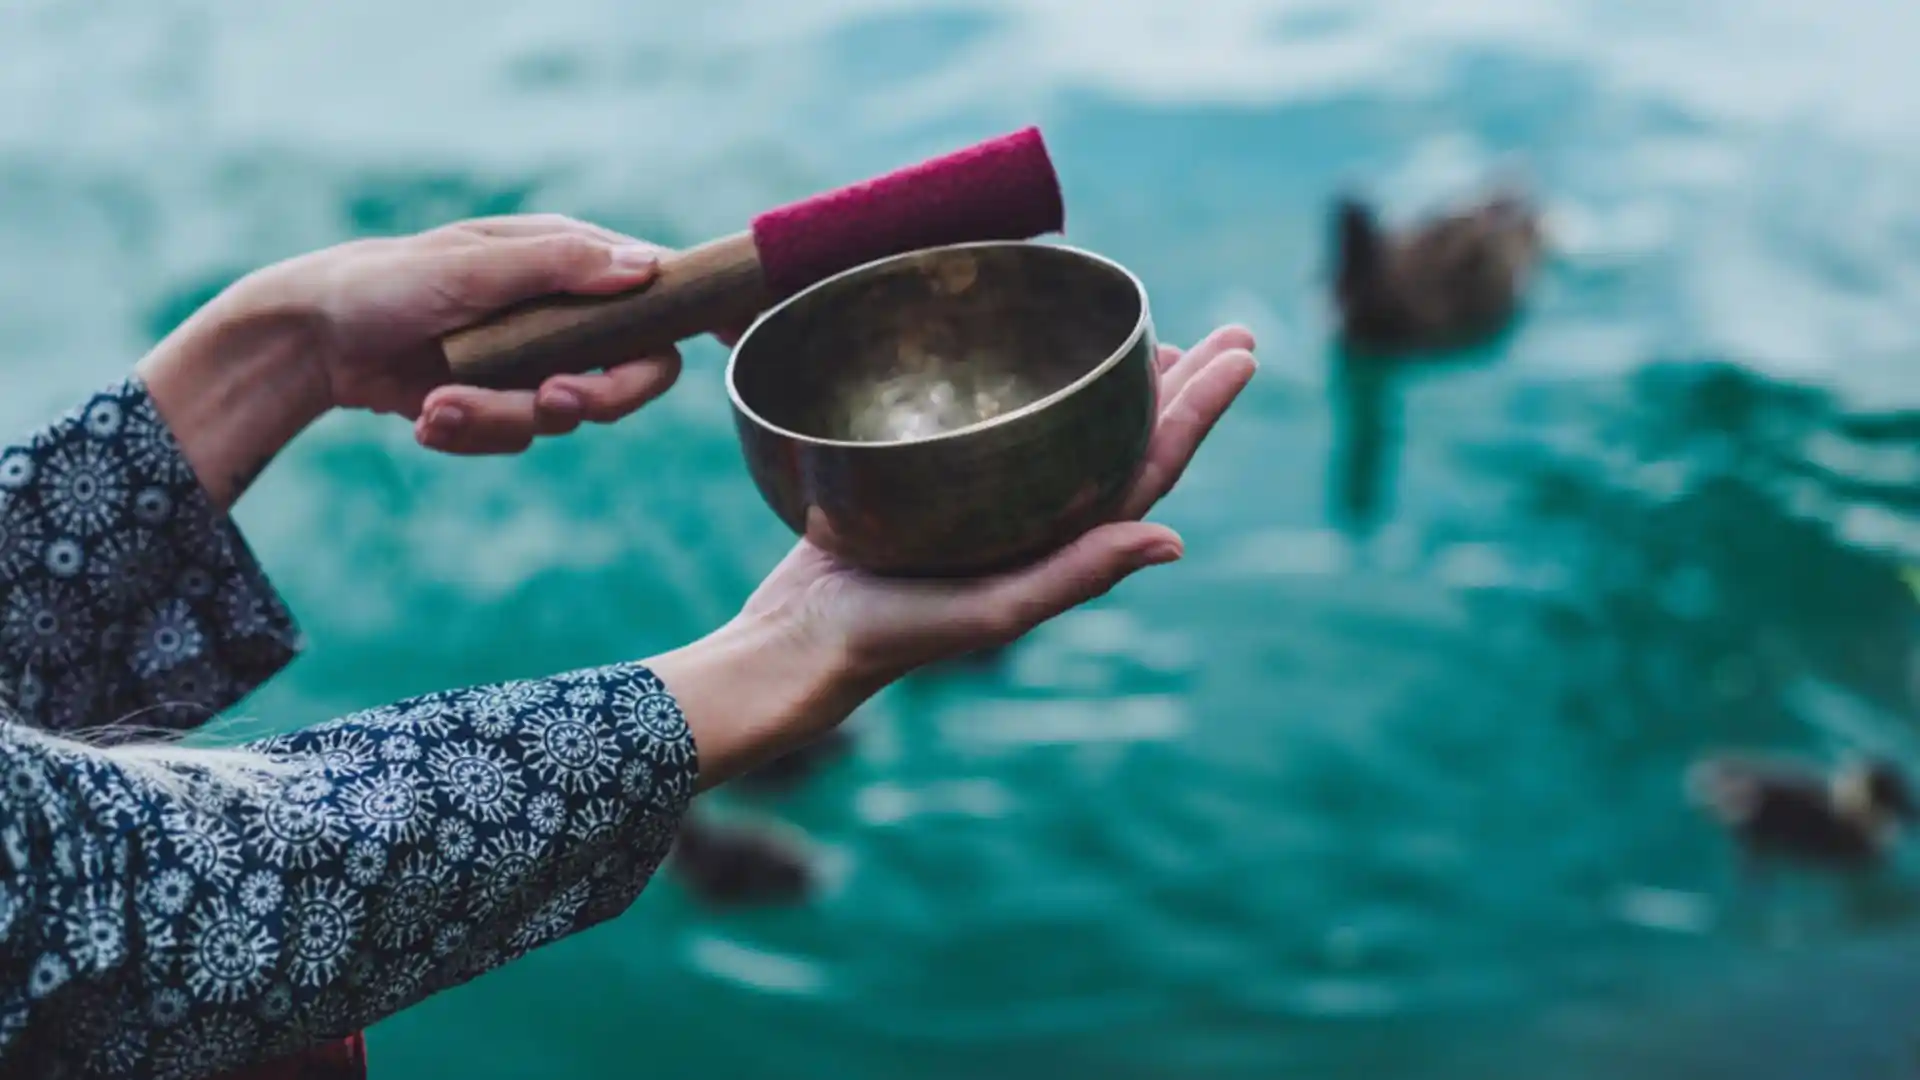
(1852, 819)
(1448, 281)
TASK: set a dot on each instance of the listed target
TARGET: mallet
(1002, 189)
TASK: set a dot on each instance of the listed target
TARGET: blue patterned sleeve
(124, 595)
(182, 929)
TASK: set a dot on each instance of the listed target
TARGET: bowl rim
(1090, 376)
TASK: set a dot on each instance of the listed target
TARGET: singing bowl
(952, 411)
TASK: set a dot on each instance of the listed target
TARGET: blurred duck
(1851, 819)
(730, 865)
(790, 770)
(1446, 282)
(979, 660)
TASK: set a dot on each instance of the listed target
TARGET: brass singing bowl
(952, 411)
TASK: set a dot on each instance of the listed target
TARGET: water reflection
(1706, 525)
(1710, 558)
(1705, 591)
(1366, 394)
(1366, 408)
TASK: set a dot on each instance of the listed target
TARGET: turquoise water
(1383, 779)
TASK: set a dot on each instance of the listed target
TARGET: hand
(381, 306)
(818, 636)
(358, 326)
(887, 626)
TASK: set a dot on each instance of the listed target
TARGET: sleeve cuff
(132, 599)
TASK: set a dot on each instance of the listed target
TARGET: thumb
(501, 271)
(1083, 570)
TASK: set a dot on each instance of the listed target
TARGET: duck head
(1359, 245)
(741, 864)
(1876, 794)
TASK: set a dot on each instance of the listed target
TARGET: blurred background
(1385, 777)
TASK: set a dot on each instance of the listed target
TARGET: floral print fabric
(169, 924)
(122, 593)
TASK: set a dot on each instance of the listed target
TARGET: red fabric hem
(343, 1059)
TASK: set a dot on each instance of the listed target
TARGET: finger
(1012, 604)
(605, 396)
(1165, 357)
(466, 440)
(513, 226)
(1198, 357)
(490, 275)
(468, 419)
(1185, 423)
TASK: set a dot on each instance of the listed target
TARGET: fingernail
(447, 419)
(561, 401)
(634, 259)
(1165, 551)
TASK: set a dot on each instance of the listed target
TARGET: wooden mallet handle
(718, 285)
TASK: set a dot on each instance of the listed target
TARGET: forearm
(755, 689)
(236, 382)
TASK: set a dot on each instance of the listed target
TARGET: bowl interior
(934, 342)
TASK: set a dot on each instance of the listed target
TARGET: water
(1384, 778)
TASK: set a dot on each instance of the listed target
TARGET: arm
(155, 918)
(126, 595)
(211, 406)
(154, 926)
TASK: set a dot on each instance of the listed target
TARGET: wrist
(235, 383)
(757, 688)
